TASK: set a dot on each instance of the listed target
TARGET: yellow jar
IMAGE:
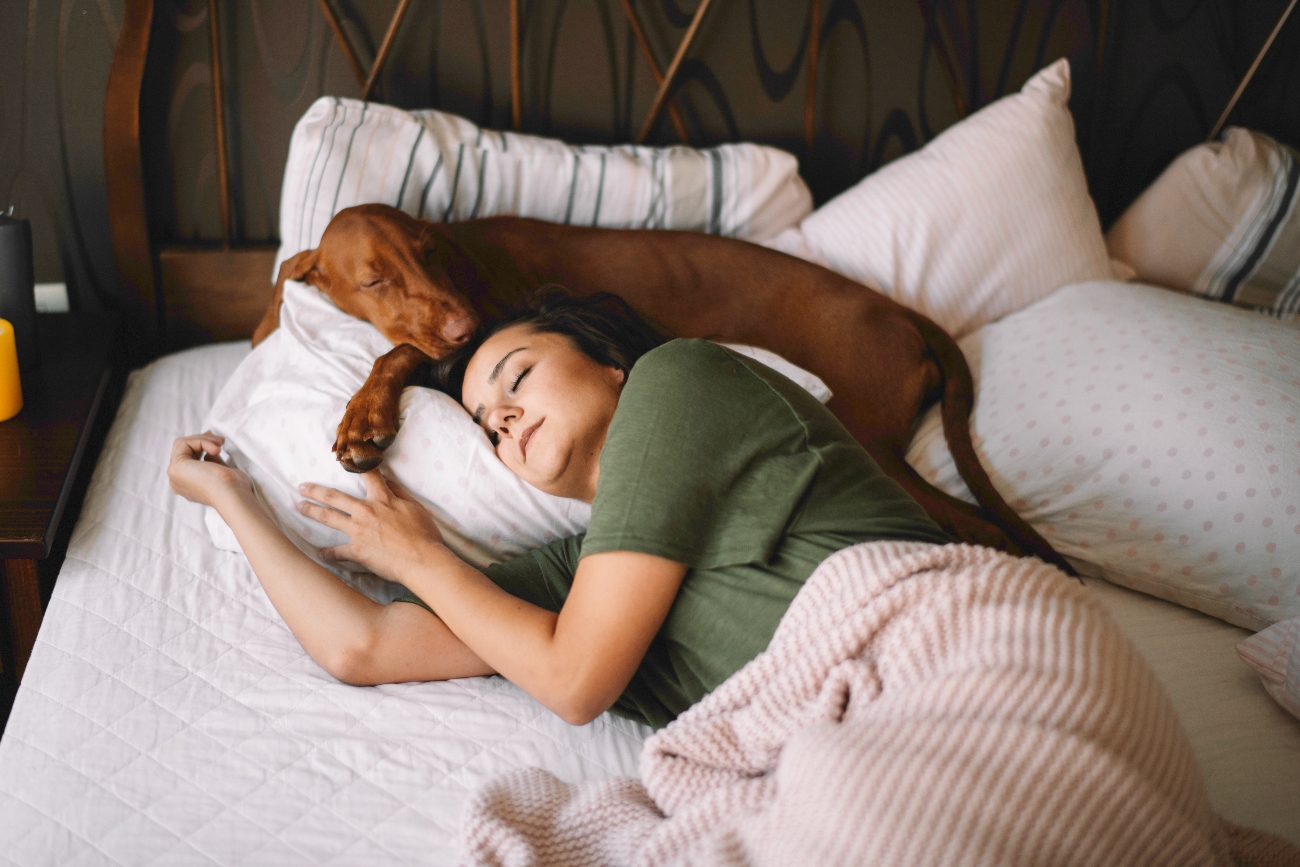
(11, 389)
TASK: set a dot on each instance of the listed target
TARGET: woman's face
(546, 405)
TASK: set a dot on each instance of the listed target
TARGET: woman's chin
(553, 479)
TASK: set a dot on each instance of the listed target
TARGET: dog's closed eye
(373, 283)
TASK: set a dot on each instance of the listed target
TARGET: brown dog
(424, 286)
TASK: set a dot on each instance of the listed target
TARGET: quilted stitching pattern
(168, 716)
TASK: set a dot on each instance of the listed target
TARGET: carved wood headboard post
(810, 91)
(635, 23)
(665, 86)
(219, 122)
(516, 82)
(124, 172)
(349, 52)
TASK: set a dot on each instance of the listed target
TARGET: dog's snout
(457, 331)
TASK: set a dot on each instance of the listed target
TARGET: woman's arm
(351, 636)
(576, 662)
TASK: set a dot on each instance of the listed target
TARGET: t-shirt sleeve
(542, 576)
(704, 462)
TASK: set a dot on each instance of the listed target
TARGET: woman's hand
(387, 531)
(197, 473)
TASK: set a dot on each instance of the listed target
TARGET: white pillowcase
(1150, 435)
(991, 216)
(281, 407)
(808, 381)
(1220, 221)
(280, 410)
(441, 167)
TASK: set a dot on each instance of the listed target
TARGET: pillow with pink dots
(280, 409)
(1151, 437)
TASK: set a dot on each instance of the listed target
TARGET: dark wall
(54, 60)
(1151, 77)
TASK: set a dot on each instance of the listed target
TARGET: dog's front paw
(368, 427)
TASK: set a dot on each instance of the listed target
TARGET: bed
(168, 716)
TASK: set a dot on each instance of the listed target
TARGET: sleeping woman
(717, 486)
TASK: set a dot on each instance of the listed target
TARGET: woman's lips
(528, 435)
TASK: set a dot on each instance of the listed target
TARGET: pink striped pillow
(988, 218)
(1275, 654)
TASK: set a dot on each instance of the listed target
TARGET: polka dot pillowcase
(1150, 436)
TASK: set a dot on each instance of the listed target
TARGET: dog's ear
(299, 266)
(483, 273)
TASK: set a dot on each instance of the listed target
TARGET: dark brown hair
(601, 326)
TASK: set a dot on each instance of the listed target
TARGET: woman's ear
(481, 272)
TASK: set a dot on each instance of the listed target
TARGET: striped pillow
(438, 166)
(1275, 654)
(1222, 221)
(991, 216)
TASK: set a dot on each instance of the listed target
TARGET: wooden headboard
(193, 173)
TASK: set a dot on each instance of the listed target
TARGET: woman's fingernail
(303, 487)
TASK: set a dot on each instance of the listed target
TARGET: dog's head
(385, 267)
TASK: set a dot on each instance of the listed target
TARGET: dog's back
(884, 362)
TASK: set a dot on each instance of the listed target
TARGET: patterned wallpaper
(1151, 77)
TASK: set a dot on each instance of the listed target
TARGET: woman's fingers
(322, 514)
(376, 485)
(192, 446)
(329, 496)
(400, 489)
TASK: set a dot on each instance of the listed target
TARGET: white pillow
(441, 167)
(1150, 434)
(808, 381)
(1220, 221)
(991, 216)
(281, 407)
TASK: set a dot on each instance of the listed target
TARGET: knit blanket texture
(918, 704)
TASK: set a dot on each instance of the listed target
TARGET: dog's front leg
(370, 422)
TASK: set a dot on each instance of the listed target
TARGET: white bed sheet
(168, 716)
(1247, 745)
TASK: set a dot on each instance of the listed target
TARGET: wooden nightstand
(47, 453)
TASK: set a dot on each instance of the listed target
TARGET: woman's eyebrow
(496, 371)
(492, 378)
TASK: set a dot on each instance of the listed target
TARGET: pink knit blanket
(918, 705)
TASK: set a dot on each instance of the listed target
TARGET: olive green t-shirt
(720, 463)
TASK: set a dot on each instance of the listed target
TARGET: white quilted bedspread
(168, 716)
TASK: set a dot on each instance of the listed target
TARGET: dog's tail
(957, 404)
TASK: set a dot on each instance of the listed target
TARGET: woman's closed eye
(520, 378)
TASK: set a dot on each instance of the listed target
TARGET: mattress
(167, 715)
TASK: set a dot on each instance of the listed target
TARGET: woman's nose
(501, 419)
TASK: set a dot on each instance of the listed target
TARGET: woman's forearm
(576, 662)
(552, 656)
(350, 635)
(515, 637)
(318, 608)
